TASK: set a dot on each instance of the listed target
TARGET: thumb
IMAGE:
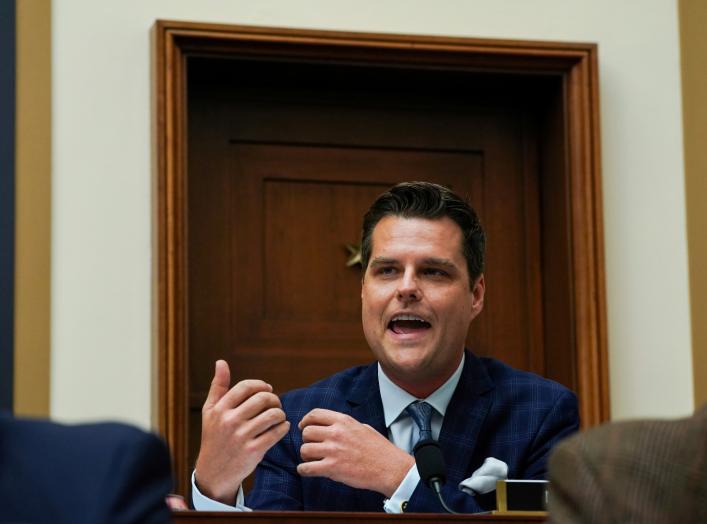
(219, 384)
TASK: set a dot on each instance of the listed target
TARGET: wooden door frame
(174, 42)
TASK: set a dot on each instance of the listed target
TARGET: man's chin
(413, 379)
(408, 369)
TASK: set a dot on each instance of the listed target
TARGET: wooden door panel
(509, 214)
(313, 198)
(285, 289)
(292, 293)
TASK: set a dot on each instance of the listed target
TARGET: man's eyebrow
(380, 261)
(443, 262)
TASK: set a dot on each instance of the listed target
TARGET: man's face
(416, 301)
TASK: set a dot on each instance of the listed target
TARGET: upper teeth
(408, 317)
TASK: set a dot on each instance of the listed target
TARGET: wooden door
(529, 110)
(280, 174)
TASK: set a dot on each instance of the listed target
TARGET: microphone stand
(430, 465)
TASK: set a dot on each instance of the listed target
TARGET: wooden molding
(575, 63)
(33, 180)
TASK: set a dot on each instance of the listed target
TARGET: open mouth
(406, 324)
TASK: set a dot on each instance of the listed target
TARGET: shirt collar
(395, 399)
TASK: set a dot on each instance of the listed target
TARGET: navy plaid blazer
(496, 411)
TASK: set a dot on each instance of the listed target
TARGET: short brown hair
(430, 201)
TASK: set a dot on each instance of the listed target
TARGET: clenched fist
(338, 447)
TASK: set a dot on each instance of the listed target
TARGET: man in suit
(107, 473)
(344, 443)
(638, 471)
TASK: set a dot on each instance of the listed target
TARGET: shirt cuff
(397, 502)
(203, 503)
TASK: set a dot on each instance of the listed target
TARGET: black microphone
(430, 465)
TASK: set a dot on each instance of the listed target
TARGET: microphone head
(430, 462)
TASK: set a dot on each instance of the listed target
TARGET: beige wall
(33, 198)
(693, 21)
(101, 251)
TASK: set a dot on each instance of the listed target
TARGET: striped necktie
(421, 413)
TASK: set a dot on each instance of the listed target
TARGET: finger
(253, 428)
(312, 451)
(272, 436)
(320, 417)
(315, 433)
(219, 384)
(242, 391)
(257, 404)
(315, 468)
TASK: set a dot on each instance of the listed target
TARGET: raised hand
(238, 425)
(338, 447)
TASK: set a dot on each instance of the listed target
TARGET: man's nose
(408, 288)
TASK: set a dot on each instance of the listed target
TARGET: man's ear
(478, 291)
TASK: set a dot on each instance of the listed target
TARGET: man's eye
(435, 272)
(386, 270)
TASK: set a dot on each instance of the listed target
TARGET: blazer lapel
(464, 418)
(366, 407)
(365, 400)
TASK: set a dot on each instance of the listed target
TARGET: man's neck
(395, 398)
(424, 390)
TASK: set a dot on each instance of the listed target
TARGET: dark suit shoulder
(77, 440)
(112, 471)
(513, 382)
